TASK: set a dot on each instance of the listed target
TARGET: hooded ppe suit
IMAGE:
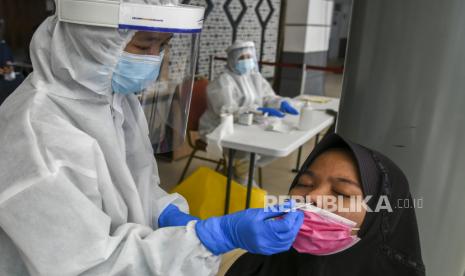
(79, 185)
(236, 93)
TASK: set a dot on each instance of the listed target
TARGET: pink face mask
(324, 233)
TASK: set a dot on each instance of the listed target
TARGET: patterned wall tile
(218, 32)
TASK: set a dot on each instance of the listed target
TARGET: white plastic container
(246, 119)
(306, 116)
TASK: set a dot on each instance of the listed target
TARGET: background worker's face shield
(159, 62)
(241, 50)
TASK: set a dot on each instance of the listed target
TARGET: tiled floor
(277, 176)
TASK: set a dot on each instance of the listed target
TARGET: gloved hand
(286, 107)
(271, 112)
(172, 216)
(254, 230)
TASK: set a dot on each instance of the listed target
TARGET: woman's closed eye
(339, 192)
(304, 185)
(346, 188)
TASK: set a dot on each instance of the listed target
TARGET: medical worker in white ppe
(241, 88)
(79, 190)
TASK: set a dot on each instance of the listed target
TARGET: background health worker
(240, 89)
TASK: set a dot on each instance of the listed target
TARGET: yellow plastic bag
(205, 191)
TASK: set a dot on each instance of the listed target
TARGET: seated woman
(387, 242)
(241, 89)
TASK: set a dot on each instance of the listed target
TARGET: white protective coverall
(234, 93)
(79, 190)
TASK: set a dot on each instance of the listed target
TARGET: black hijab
(389, 242)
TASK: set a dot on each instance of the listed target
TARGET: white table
(256, 140)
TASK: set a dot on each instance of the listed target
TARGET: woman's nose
(319, 195)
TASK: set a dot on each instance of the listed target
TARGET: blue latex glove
(253, 230)
(271, 112)
(286, 107)
(172, 216)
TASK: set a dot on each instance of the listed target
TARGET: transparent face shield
(167, 40)
(166, 101)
